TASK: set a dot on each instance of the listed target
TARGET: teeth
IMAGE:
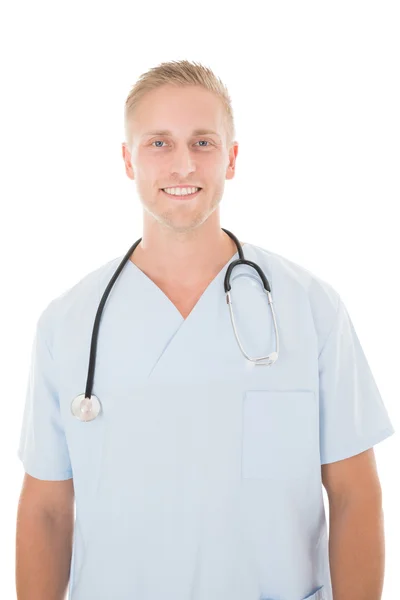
(181, 191)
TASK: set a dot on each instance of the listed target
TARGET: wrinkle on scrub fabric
(201, 477)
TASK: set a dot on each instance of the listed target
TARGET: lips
(186, 186)
(182, 196)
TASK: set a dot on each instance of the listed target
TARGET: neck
(183, 260)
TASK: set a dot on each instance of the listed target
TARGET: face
(159, 160)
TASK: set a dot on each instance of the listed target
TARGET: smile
(182, 196)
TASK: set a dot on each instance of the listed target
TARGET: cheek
(148, 175)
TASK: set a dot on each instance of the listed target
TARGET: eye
(162, 141)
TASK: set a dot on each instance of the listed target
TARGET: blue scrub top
(201, 477)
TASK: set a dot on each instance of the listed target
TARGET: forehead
(185, 110)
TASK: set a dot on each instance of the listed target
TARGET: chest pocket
(318, 595)
(280, 434)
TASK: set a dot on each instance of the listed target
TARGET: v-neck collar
(146, 278)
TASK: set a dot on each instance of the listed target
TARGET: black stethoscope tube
(82, 403)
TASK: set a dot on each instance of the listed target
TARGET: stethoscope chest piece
(85, 409)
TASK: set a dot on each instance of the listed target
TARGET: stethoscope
(86, 407)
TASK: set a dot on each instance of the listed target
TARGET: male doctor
(201, 477)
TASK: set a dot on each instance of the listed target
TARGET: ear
(233, 152)
(126, 155)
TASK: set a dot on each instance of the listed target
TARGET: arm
(44, 533)
(356, 528)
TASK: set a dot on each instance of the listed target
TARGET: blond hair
(179, 73)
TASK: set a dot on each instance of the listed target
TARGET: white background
(315, 92)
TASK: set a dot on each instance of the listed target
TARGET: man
(197, 473)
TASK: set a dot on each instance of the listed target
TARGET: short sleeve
(353, 417)
(43, 448)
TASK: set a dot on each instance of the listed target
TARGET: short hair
(179, 73)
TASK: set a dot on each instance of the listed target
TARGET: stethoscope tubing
(87, 406)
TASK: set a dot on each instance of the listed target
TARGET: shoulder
(76, 300)
(297, 286)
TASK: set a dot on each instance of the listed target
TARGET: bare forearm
(357, 550)
(43, 556)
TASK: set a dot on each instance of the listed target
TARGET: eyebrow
(194, 132)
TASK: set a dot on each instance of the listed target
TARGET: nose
(182, 163)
